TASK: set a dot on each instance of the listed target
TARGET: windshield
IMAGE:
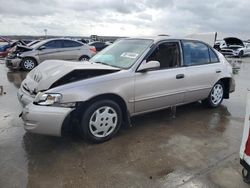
(31, 44)
(122, 54)
(38, 44)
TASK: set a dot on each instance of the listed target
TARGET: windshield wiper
(107, 64)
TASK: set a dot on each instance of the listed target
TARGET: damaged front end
(14, 58)
(233, 47)
(17, 51)
(53, 73)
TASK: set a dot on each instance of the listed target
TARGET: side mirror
(145, 66)
(42, 48)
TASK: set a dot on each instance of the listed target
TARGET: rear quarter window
(213, 57)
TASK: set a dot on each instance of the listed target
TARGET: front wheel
(215, 97)
(28, 64)
(241, 54)
(101, 121)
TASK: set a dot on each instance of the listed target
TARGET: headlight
(52, 99)
(47, 99)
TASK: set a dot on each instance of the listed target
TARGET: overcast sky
(124, 17)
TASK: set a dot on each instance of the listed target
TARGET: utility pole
(45, 32)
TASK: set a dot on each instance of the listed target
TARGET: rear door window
(195, 53)
(71, 44)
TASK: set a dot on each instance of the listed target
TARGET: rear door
(164, 87)
(203, 69)
(71, 50)
(52, 50)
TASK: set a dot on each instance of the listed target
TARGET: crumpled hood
(51, 72)
(233, 41)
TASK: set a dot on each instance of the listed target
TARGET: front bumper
(46, 120)
(13, 63)
(230, 53)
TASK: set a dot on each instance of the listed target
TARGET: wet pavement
(197, 148)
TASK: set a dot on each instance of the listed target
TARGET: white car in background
(232, 46)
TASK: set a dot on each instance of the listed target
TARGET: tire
(101, 121)
(246, 176)
(241, 54)
(84, 58)
(215, 97)
(28, 63)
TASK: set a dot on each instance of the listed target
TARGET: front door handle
(218, 71)
(180, 76)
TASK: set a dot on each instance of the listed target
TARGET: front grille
(11, 55)
(227, 52)
(8, 62)
(26, 89)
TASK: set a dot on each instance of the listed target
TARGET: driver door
(51, 51)
(156, 89)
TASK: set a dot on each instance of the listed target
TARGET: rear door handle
(180, 76)
(218, 71)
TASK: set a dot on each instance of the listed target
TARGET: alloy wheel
(28, 64)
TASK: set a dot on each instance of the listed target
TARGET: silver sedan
(130, 77)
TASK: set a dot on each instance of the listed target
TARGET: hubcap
(103, 121)
(29, 64)
(217, 94)
(84, 59)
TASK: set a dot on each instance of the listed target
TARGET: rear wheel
(101, 121)
(215, 97)
(28, 64)
(84, 58)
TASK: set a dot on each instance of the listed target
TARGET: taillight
(247, 149)
(93, 49)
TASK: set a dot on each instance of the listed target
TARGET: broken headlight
(47, 99)
(52, 99)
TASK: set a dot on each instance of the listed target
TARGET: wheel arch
(226, 83)
(110, 96)
(30, 57)
(82, 56)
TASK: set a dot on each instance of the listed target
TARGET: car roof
(51, 39)
(161, 38)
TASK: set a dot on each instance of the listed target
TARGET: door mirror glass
(151, 65)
